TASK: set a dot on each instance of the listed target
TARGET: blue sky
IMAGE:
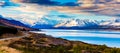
(65, 1)
(79, 16)
(31, 12)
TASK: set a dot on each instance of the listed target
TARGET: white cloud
(27, 14)
(31, 13)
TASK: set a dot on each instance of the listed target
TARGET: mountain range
(47, 23)
(89, 24)
(78, 24)
(28, 19)
(13, 23)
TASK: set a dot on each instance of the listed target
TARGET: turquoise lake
(99, 37)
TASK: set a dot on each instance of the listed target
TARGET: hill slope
(13, 23)
(41, 43)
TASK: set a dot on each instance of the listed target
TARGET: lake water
(99, 37)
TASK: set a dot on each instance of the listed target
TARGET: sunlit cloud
(30, 13)
(25, 14)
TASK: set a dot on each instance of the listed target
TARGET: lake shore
(43, 43)
(98, 37)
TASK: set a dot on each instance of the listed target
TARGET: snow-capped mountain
(115, 23)
(78, 23)
(46, 22)
(38, 16)
(13, 23)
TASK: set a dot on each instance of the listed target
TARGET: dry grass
(5, 49)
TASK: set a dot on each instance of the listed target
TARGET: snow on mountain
(117, 20)
(111, 23)
(86, 23)
(47, 21)
(115, 24)
(37, 16)
(13, 23)
(77, 23)
(25, 13)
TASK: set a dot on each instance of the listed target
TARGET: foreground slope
(41, 43)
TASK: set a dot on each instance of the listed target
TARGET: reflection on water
(110, 38)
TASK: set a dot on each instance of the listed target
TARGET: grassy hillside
(41, 43)
(8, 32)
(11, 30)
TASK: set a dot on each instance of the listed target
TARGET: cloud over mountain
(91, 3)
(31, 11)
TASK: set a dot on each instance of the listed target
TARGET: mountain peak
(14, 23)
(76, 23)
